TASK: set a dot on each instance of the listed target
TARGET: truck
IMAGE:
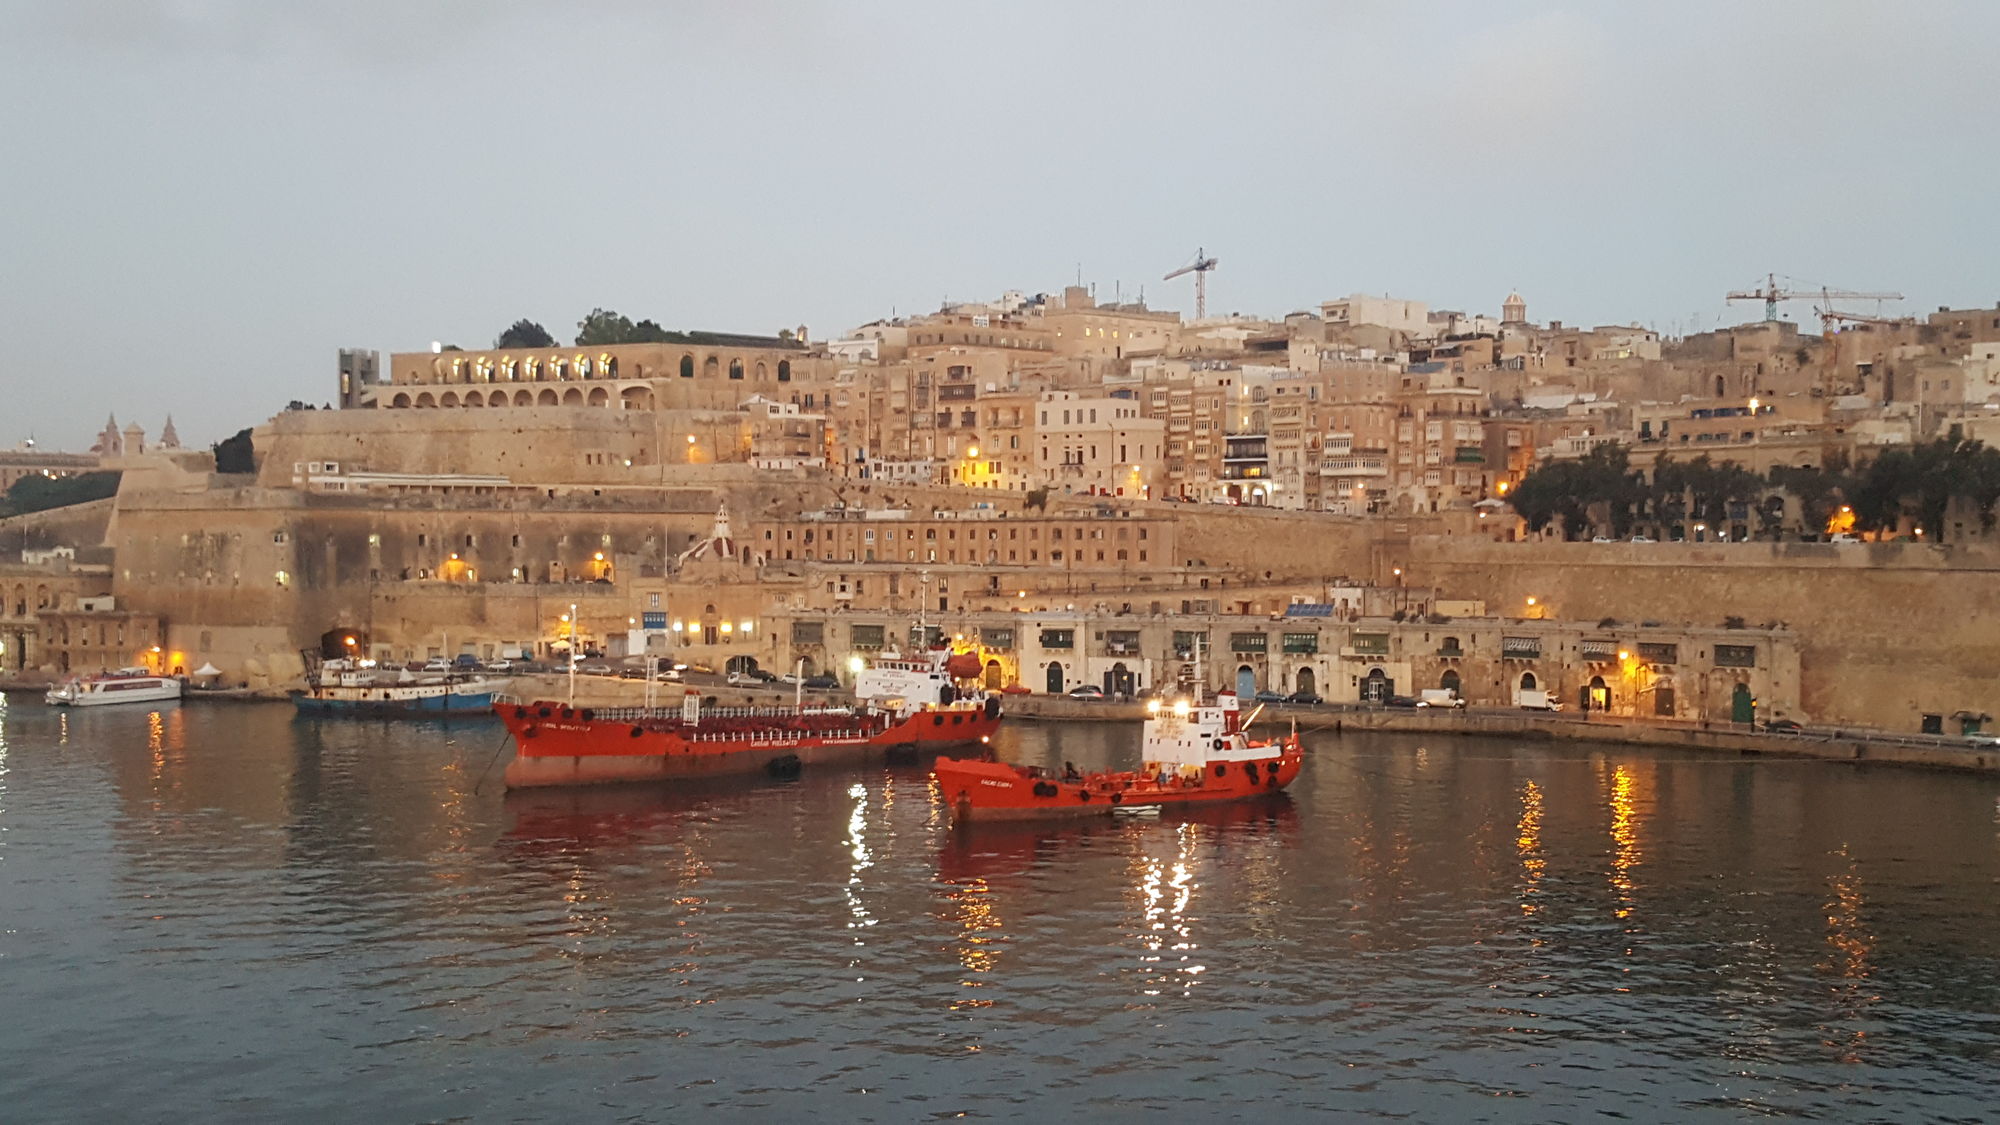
(1529, 699)
(1439, 697)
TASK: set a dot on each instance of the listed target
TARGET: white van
(1529, 700)
(1439, 697)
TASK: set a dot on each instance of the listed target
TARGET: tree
(647, 332)
(234, 454)
(525, 333)
(37, 493)
(601, 327)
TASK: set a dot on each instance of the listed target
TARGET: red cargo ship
(1193, 756)
(902, 704)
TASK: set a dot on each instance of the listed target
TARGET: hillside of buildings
(1367, 492)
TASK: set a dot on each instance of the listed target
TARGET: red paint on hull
(978, 790)
(557, 745)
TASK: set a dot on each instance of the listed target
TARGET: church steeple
(168, 438)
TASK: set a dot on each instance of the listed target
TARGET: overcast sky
(200, 200)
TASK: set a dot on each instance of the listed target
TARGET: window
(865, 636)
(1059, 638)
(1248, 642)
(1659, 654)
(808, 632)
(687, 367)
(1371, 644)
(736, 369)
(1521, 648)
(1735, 656)
(1301, 642)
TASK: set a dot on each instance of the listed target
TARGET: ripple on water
(270, 917)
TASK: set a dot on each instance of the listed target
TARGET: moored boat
(126, 685)
(1193, 755)
(345, 687)
(902, 704)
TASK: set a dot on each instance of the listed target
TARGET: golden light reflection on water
(1528, 842)
(1850, 948)
(1166, 890)
(1625, 853)
(979, 939)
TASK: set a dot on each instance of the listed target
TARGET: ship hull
(987, 791)
(560, 746)
(424, 707)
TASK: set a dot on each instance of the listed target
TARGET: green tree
(234, 454)
(38, 493)
(602, 327)
(525, 333)
(647, 332)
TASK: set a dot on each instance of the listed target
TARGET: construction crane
(1199, 268)
(1772, 293)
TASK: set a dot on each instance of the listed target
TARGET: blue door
(1246, 681)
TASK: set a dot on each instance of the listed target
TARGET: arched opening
(1119, 681)
(400, 401)
(740, 665)
(572, 397)
(761, 372)
(1055, 678)
(524, 397)
(547, 397)
(1742, 705)
(638, 398)
(426, 399)
(474, 398)
(1449, 681)
(1597, 696)
(450, 399)
(710, 368)
(1377, 687)
(1305, 681)
(736, 369)
(1719, 389)
(687, 367)
(1527, 681)
(784, 371)
(1246, 681)
(994, 676)
(599, 397)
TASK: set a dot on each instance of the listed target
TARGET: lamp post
(572, 654)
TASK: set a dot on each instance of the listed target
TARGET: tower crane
(1771, 293)
(1199, 268)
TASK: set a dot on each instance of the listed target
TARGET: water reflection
(857, 849)
(1528, 841)
(1624, 838)
(1166, 888)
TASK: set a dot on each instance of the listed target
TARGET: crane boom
(1199, 268)
(1771, 293)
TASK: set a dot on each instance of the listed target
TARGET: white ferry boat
(126, 685)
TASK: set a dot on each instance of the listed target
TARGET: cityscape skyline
(203, 253)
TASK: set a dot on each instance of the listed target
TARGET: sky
(201, 200)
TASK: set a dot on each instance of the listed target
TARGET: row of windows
(950, 555)
(950, 534)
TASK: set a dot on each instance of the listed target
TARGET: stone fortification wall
(81, 526)
(1886, 633)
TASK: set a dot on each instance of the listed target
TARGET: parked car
(1439, 697)
(1782, 726)
(753, 677)
(707, 671)
(1643, 539)
(1983, 738)
(436, 664)
(1268, 696)
(1086, 691)
(1602, 539)
(822, 682)
(1844, 537)
(1306, 698)
(502, 665)
(595, 668)
(1403, 701)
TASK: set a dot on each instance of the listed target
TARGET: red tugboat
(902, 704)
(1194, 755)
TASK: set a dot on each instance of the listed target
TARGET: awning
(207, 669)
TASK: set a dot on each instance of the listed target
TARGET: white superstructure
(127, 685)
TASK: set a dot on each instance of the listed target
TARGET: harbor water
(230, 913)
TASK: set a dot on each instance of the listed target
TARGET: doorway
(1246, 681)
(1305, 681)
(1055, 678)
